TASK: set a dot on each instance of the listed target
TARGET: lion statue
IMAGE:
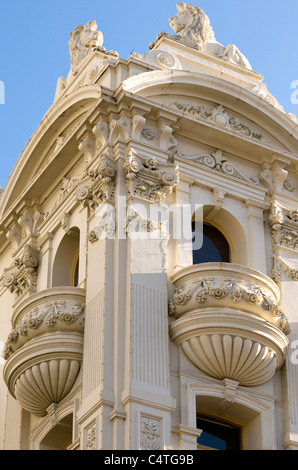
(84, 39)
(192, 27)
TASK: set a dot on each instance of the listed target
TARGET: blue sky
(34, 51)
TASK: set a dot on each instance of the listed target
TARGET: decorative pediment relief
(148, 179)
(219, 116)
(215, 161)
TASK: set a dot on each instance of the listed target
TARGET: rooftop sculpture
(192, 27)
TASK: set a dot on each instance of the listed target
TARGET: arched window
(60, 436)
(66, 262)
(217, 434)
(210, 245)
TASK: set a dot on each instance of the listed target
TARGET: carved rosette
(44, 349)
(148, 179)
(228, 322)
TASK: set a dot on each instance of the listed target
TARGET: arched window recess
(209, 244)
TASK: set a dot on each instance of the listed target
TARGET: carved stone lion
(84, 39)
(193, 28)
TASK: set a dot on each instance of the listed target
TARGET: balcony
(45, 347)
(227, 320)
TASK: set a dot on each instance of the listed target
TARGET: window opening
(215, 247)
(218, 435)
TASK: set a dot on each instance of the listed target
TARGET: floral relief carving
(235, 290)
(91, 438)
(150, 433)
(289, 186)
(148, 133)
(218, 115)
(48, 316)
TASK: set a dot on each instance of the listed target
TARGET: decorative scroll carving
(215, 161)
(150, 433)
(218, 115)
(21, 278)
(148, 179)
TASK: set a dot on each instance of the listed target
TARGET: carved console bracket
(21, 277)
(147, 179)
(284, 226)
(99, 185)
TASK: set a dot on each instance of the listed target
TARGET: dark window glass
(218, 435)
(214, 247)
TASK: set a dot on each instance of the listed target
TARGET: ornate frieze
(148, 179)
(219, 116)
(228, 286)
(55, 315)
(238, 291)
(44, 349)
(228, 322)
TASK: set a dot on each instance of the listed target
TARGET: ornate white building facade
(122, 327)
